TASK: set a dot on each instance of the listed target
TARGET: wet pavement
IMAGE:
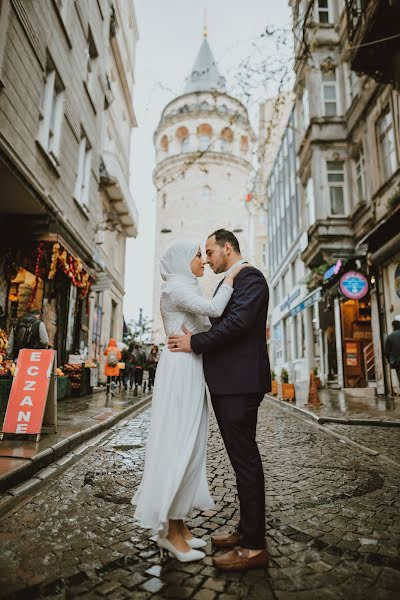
(332, 512)
(348, 406)
(78, 419)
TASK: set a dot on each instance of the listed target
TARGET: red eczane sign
(30, 391)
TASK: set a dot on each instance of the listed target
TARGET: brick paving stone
(333, 523)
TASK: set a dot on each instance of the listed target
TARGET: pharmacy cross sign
(353, 285)
(32, 402)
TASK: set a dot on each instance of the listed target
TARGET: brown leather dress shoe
(238, 559)
(226, 540)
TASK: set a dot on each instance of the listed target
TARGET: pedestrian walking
(392, 349)
(111, 368)
(174, 480)
(138, 361)
(238, 374)
(152, 362)
(29, 332)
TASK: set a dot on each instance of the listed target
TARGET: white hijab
(175, 266)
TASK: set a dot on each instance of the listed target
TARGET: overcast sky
(170, 33)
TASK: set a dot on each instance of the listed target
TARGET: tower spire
(205, 28)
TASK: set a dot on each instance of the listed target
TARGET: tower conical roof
(205, 75)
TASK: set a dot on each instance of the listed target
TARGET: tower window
(164, 200)
(226, 138)
(182, 134)
(204, 133)
(164, 143)
(206, 192)
(204, 106)
(244, 143)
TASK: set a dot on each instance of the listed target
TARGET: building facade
(348, 171)
(66, 80)
(204, 147)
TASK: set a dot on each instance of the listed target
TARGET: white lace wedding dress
(174, 481)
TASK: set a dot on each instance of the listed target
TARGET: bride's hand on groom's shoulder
(237, 270)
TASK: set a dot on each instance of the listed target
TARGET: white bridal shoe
(190, 556)
(194, 543)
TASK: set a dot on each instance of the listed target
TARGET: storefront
(345, 325)
(383, 244)
(45, 275)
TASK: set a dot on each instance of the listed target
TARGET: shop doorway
(358, 352)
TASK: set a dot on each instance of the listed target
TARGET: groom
(237, 372)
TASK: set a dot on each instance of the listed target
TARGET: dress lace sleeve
(193, 303)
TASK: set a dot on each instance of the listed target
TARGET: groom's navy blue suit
(238, 374)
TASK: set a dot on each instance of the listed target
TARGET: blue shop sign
(287, 302)
(333, 270)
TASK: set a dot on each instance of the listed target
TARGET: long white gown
(174, 480)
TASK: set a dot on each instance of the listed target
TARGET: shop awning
(309, 300)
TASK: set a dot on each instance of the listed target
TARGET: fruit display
(74, 373)
(3, 343)
(7, 368)
(59, 372)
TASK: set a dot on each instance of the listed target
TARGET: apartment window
(310, 202)
(335, 170)
(91, 57)
(387, 147)
(83, 177)
(354, 84)
(360, 176)
(329, 92)
(275, 295)
(51, 112)
(323, 11)
(306, 108)
(264, 254)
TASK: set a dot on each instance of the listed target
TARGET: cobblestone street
(332, 512)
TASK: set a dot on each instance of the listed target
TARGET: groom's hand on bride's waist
(180, 343)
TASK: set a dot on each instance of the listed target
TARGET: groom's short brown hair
(222, 236)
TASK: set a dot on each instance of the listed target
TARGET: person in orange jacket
(111, 368)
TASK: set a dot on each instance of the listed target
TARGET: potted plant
(317, 379)
(286, 389)
(274, 386)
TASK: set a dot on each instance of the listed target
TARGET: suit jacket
(235, 351)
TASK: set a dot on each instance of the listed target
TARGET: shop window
(83, 176)
(335, 169)
(91, 64)
(323, 11)
(329, 90)
(51, 112)
(387, 146)
(360, 176)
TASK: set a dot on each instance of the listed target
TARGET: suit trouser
(237, 419)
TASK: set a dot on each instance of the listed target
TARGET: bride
(174, 480)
